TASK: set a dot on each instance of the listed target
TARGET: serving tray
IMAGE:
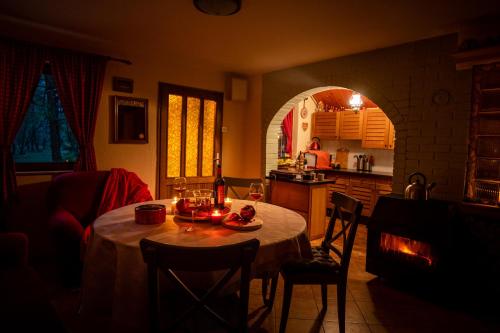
(255, 224)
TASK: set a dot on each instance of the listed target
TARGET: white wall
(302, 138)
(384, 158)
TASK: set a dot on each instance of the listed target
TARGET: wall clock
(441, 97)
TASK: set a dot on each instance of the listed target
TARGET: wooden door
(325, 125)
(190, 136)
(375, 129)
(351, 125)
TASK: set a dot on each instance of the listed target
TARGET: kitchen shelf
(483, 173)
(490, 113)
(491, 90)
(489, 110)
(487, 180)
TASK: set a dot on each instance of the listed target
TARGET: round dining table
(114, 282)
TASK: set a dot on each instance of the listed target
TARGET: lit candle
(173, 205)
(216, 217)
(228, 203)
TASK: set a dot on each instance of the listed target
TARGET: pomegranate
(234, 217)
(247, 213)
(183, 206)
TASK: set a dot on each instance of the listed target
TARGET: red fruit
(234, 217)
(247, 213)
(182, 205)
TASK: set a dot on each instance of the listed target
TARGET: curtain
(79, 78)
(287, 129)
(20, 69)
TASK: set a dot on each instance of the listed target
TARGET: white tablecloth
(114, 278)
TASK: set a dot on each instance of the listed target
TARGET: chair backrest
(231, 183)
(169, 258)
(79, 193)
(346, 210)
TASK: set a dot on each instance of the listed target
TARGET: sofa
(75, 200)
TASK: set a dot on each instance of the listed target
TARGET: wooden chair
(322, 269)
(169, 259)
(231, 183)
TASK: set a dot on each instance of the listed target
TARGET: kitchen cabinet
(307, 198)
(351, 125)
(365, 187)
(378, 130)
(483, 173)
(325, 125)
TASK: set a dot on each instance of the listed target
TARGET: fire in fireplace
(406, 248)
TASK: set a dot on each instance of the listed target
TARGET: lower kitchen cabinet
(366, 188)
(309, 199)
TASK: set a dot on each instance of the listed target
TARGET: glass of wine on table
(256, 192)
(180, 186)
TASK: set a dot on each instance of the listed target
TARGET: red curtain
(20, 69)
(79, 79)
(287, 129)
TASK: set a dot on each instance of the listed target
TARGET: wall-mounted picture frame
(123, 84)
(130, 120)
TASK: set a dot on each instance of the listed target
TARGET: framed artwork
(130, 120)
(123, 84)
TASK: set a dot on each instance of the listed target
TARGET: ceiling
(338, 99)
(266, 35)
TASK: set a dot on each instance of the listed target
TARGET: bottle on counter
(219, 186)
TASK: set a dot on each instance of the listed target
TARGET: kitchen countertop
(329, 172)
(306, 182)
(356, 172)
(289, 177)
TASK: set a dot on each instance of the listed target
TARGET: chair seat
(321, 265)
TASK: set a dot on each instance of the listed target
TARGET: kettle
(416, 190)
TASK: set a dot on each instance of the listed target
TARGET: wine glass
(256, 192)
(180, 186)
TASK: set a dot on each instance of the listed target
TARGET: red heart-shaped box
(150, 214)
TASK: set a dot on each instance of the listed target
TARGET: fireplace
(408, 238)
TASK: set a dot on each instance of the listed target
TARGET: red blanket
(122, 188)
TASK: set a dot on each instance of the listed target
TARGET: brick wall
(416, 85)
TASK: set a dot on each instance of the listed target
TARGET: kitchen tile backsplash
(384, 158)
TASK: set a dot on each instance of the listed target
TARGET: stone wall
(419, 89)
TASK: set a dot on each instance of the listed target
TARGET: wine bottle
(219, 186)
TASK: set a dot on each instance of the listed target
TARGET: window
(190, 136)
(45, 141)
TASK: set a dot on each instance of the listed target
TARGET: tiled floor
(372, 306)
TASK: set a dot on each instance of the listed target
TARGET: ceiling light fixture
(355, 102)
(218, 7)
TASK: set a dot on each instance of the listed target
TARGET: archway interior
(332, 99)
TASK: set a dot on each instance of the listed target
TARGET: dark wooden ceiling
(338, 99)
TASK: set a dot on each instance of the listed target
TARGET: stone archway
(273, 128)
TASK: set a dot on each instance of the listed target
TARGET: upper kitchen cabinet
(378, 130)
(325, 125)
(351, 125)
